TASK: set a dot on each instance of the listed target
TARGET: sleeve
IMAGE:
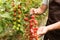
(46, 2)
(57, 1)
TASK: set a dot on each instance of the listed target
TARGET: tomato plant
(15, 21)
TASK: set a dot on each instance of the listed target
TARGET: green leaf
(6, 15)
(1, 29)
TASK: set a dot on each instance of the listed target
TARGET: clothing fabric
(45, 2)
(54, 16)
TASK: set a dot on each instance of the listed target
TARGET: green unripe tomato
(19, 25)
(17, 28)
(18, 21)
(14, 23)
(14, 26)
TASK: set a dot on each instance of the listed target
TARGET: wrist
(47, 28)
(40, 11)
(50, 27)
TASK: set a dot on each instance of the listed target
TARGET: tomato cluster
(33, 33)
(33, 30)
(33, 22)
(15, 17)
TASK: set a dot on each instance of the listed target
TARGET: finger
(32, 11)
(40, 30)
(35, 11)
(40, 33)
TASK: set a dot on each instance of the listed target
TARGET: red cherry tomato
(31, 20)
(19, 6)
(14, 14)
(32, 16)
(26, 19)
(32, 24)
(36, 28)
(35, 22)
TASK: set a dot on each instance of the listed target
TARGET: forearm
(44, 6)
(54, 26)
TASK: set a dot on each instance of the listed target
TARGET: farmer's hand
(35, 11)
(42, 30)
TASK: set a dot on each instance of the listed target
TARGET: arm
(54, 26)
(41, 9)
(44, 6)
(43, 30)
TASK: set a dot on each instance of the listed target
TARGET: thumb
(32, 11)
(36, 11)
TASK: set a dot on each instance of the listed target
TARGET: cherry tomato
(35, 22)
(31, 20)
(31, 25)
(14, 26)
(19, 6)
(32, 16)
(19, 25)
(18, 21)
(26, 19)
(17, 28)
(14, 14)
(19, 11)
(14, 23)
(14, 9)
(36, 28)
(14, 19)
(19, 16)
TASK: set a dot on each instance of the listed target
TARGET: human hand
(35, 11)
(42, 30)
